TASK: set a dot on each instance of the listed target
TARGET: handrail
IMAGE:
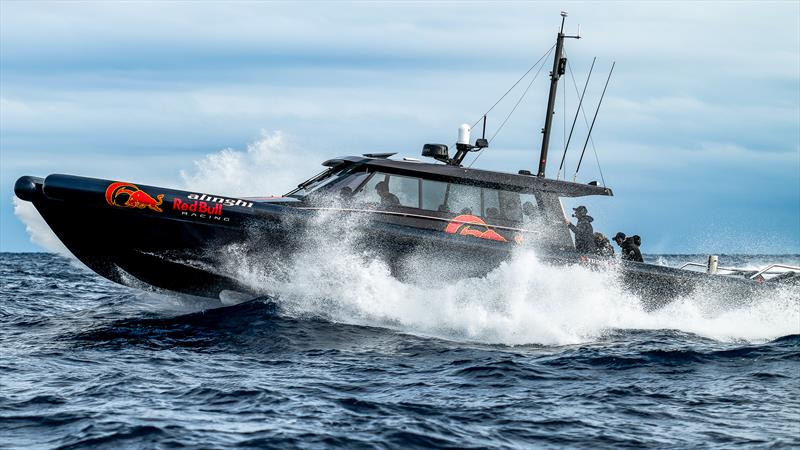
(416, 216)
(704, 266)
(771, 266)
(750, 273)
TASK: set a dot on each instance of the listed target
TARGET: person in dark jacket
(387, 198)
(584, 233)
(629, 247)
(603, 245)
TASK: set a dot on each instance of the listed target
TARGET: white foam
(523, 301)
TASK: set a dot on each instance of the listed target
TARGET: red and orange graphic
(468, 225)
(127, 195)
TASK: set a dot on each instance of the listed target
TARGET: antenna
(575, 120)
(591, 127)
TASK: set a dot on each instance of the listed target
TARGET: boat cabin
(471, 202)
(511, 204)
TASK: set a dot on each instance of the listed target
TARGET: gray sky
(699, 135)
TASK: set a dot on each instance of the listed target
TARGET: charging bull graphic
(128, 195)
(468, 225)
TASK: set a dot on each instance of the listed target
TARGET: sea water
(347, 355)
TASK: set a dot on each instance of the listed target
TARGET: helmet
(619, 236)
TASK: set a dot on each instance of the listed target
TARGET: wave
(522, 301)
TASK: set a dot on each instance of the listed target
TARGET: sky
(698, 134)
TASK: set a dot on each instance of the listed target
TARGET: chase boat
(458, 220)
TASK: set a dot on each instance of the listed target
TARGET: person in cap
(584, 233)
(628, 247)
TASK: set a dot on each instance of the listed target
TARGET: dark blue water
(84, 362)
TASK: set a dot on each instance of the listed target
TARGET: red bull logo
(468, 225)
(197, 207)
(127, 195)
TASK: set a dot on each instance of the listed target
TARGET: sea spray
(38, 230)
(271, 165)
(522, 301)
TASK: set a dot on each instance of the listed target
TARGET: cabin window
(463, 199)
(531, 207)
(434, 195)
(496, 206)
(502, 205)
(491, 204)
(404, 189)
(350, 183)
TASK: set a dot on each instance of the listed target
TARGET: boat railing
(748, 273)
(769, 270)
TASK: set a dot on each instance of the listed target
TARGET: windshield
(334, 179)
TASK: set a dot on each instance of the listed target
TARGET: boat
(459, 221)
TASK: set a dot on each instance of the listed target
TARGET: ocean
(346, 356)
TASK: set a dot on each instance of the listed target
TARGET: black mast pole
(559, 64)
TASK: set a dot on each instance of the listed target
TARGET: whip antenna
(591, 127)
(580, 102)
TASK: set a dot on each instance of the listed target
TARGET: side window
(531, 209)
(491, 204)
(510, 205)
(369, 193)
(390, 190)
(502, 205)
(406, 189)
(434, 195)
(464, 199)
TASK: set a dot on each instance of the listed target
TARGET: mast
(559, 66)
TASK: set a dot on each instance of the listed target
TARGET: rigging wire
(524, 93)
(586, 121)
(600, 102)
(515, 84)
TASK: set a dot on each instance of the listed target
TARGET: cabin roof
(463, 175)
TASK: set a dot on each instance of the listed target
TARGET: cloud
(141, 90)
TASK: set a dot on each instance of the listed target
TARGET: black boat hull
(177, 240)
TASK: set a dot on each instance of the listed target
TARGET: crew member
(628, 247)
(584, 233)
(387, 198)
(603, 245)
